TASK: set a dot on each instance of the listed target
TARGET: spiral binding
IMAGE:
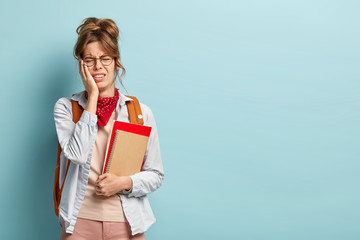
(112, 151)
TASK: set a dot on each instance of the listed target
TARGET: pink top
(96, 207)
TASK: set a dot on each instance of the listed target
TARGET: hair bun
(110, 27)
(95, 25)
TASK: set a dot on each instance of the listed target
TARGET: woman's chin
(103, 87)
(100, 84)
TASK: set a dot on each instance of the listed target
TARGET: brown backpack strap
(77, 111)
(134, 110)
(56, 192)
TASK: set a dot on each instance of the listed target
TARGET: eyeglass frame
(96, 58)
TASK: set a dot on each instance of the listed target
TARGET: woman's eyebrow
(89, 55)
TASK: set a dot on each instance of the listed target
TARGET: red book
(126, 148)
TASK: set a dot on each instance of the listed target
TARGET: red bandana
(105, 107)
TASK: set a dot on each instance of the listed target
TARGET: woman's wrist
(129, 185)
(125, 183)
(91, 104)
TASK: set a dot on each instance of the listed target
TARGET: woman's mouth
(98, 77)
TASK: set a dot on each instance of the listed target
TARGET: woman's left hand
(109, 184)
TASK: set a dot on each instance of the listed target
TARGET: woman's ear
(117, 64)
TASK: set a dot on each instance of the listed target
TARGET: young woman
(95, 205)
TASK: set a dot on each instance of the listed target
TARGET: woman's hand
(88, 80)
(90, 87)
(109, 184)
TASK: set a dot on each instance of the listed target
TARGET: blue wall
(257, 105)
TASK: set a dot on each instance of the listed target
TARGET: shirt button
(140, 116)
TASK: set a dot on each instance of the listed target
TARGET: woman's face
(103, 75)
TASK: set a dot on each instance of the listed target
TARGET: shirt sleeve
(152, 174)
(77, 139)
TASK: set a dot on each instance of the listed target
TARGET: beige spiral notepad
(127, 153)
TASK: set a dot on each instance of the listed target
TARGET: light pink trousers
(86, 229)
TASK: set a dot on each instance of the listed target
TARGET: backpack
(135, 116)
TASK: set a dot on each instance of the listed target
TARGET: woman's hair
(104, 30)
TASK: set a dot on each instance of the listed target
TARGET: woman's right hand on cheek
(88, 80)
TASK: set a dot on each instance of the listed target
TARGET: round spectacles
(105, 60)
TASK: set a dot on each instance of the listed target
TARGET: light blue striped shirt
(77, 142)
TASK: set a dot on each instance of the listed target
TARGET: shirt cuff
(88, 118)
(136, 185)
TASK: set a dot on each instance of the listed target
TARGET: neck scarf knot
(105, 107)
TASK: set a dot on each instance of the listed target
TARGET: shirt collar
(80, 97)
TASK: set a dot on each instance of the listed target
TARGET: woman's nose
(97, 64)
